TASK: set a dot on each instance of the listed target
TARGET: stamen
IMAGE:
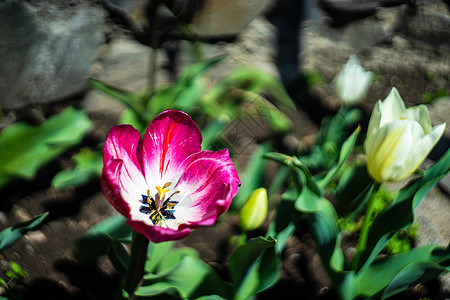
(161, 191)
(176, 192)
(159, 209)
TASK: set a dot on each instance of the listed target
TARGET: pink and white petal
(124, 143)
(110, 185)
(169, 139)
(157, 234)
(207, 186)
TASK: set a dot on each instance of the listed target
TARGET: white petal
(420, 114)
(392, 108)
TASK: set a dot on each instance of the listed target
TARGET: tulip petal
(109, 182)
(392, 108)
(374, 124)
(207, 186)
(423, 147)
(420, 114)
(169, 139)
(124, 143)
(158, 234)
(398, 148)
(352, 82)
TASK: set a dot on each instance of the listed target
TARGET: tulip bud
(352, 82)
(254, 212)
(398, 139)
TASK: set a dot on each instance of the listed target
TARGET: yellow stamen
(162, 191)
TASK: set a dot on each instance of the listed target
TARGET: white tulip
(398, 139)
(352, 82)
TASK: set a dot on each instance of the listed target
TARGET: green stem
(135, 270)
(362, 243)
(154, 27)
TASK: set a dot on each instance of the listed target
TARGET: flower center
(157, 207)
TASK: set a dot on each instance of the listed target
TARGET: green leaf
(332, 134)
(253, 80)
(269, 269)
(397, 272)
(131, 100)
(323, 220)
(346, 149)
(119, 256)
(88, 166)
(247, 273)
(413, 274)
(175, 256)
(156, 252)
(98, 239)
(269, 113)
(210, 133)
(128, 116)
(190, 278)
(347, 285)
(210, 297)
(252, 177)
(11, 234)
(185, 92)
(351, 191)
(25, 148)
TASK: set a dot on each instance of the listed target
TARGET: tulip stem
(368, 218)
(154, 41)
(135, 270)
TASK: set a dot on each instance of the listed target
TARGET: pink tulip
(163, 183)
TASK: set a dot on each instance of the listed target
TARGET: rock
(225, 17)
(20, 214)
(36, 237)
(392, 44)
(440, 113)
(46, 51)
(125, 65)
(3, 218)
(206, 19)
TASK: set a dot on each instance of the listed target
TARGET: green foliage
(253, 267)
(333, 132)
(100, 238)
(12, 275)
(25, 148)
(217, 104)
(11, 234)
(88, 166)
(440, 92)
(252, 176)
(169, 272)
(403, 240)
(370, 275)
(188, 278)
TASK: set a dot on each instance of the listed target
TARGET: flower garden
(229, 180)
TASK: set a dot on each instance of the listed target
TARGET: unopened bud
(254, 212)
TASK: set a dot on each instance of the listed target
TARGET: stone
(124, 65)
(225, 17)
(46, 51)
(36, 237)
